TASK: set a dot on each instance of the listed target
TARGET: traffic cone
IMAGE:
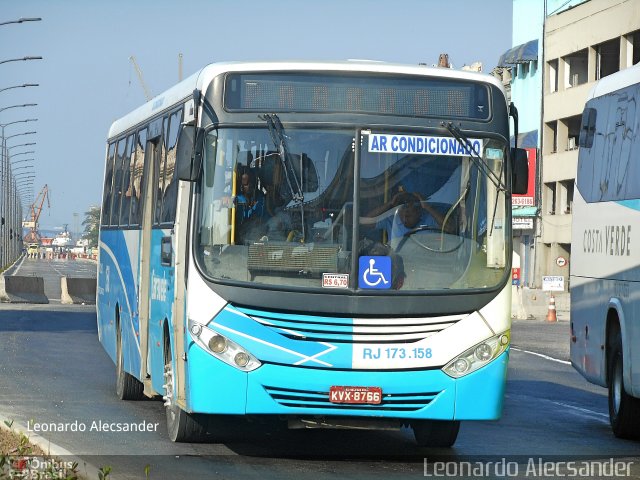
(551, 314)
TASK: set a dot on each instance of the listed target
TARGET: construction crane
(33, 236)
(147, 92)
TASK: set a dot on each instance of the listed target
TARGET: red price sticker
(335, 280)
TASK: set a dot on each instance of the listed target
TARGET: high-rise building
(583, 42)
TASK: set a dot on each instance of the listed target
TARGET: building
(583, 42)
(520, 70)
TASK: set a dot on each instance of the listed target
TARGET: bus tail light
(222, 347)
(477, 356)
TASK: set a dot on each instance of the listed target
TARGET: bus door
(151, 166)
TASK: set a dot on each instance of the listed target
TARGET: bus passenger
(250, 200)
(250, 209)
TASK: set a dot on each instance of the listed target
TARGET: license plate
(357, 395)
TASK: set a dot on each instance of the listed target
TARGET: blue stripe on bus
(632, 204)
(161, 297)
(270, 346)
(119, 289)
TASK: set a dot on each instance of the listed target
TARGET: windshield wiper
(477, 160)
(276, 130)
(480, 164)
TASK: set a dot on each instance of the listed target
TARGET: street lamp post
(20, 153)
(20, 145)
(22, 20)
(18, 106)
(10, 248)
(13, 170)
(19, 121)
(19, 134)
(21, 161)
(31, 57)
(20, 86)
(11, 210)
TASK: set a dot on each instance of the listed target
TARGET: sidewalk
(530, 303)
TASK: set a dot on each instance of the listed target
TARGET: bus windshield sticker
(422, 145)
(335, 280)
(493, 154)
(374, 272)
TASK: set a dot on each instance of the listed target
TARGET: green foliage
(21, 461)
(91, 224)
(104, 472)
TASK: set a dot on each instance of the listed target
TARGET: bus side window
(108, 185)
(158, 201)
(137, 183)
(587, 128)
(128, 165)
(171, 181)
(118, 169)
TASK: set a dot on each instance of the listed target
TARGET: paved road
(53, 370)
(549, 338)
(53, 270)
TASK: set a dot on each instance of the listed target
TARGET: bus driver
(411, 212)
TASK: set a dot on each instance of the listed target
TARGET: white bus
(605, 272)
(325, 243)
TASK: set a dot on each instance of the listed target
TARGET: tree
(91, 224)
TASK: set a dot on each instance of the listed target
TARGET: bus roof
(201, 79)
(615, 81)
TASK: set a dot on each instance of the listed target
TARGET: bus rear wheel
(181, 426)
(624, 410)
(128, 387)
(435, 433)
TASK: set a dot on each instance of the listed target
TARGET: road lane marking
(572, 409)
(566, 408)
(18, 267)
(546, 357)
(585, 411)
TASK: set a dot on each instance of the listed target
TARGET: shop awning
(524, 211)
(527, 52)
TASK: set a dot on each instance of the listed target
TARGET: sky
(86, 80)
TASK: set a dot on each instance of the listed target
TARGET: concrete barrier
(78, 290)
(22, 289)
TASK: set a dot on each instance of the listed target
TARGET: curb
(11, 269)
(85, 469)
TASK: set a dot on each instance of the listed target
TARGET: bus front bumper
(217, 388)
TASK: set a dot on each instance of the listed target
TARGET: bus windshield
(297, 208)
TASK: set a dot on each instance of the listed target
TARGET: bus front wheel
(181, 426)
(624, 410)
(435, 433)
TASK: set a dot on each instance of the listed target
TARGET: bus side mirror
(189, 153)
(519, 171)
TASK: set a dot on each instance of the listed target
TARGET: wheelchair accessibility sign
(374, 272)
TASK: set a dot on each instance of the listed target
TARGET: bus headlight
(217, 344)
(222, 347)
(477, 356)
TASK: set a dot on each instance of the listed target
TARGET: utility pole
(180, 67)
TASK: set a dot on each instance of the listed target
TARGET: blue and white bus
(325, 243)
(605, 271)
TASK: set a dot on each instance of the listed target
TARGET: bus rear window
(356, 93)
